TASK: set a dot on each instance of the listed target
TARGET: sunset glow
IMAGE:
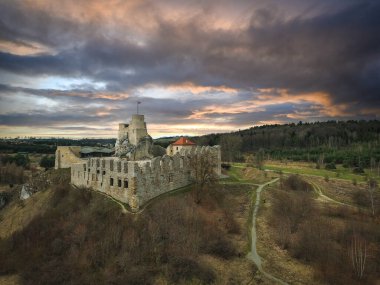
(77, 68)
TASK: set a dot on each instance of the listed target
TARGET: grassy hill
(74, 236)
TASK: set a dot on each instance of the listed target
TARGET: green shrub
(296, 183)
(220, 247)
(187, 269)
(47, 161)
(360, 198)
(358, 170)
(330, 165)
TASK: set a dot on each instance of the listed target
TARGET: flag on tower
(138, 102)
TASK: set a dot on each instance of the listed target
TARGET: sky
(77, 68)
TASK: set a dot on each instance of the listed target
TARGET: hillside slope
(65, 235)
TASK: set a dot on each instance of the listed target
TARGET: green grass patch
(340, 172)
(234, 175)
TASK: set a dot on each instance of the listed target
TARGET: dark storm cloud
(42, 64)
(21, 21)
(21, 119)
(328, 52)
(304, 47)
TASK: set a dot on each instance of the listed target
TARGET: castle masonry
(134, 176)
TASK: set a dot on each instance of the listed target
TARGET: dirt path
(322, 197)
(253, 254)
(317, 189)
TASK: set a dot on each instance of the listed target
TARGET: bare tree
(231, 147)
(358, 255)
(249, 160)
(12, 174)
(260, 159)
(372, 186)
(320, 162)
(203, 172)
(373, 164)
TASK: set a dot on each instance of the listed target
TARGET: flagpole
(138, 102)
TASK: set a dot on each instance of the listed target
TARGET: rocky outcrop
(26, 192)
(143, 150)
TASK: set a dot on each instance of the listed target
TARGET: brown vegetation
(83, 238)
(341, 243)
(10, 173)
(203, 168)
(360, 195)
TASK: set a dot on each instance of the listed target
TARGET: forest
(351, 143)
(48, 145)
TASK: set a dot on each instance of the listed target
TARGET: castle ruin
(134, 176)
(134, 142)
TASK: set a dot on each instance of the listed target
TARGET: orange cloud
(321, 103)
(140, 18)
(94, 95)
(197, 89)
(23, 48)
(321, 99)
(111, 96)
(236, 108)
(191, 129)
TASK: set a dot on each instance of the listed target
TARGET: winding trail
(322, 197)
(253, 254)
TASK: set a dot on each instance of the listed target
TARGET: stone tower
(137, 129)
(134, 131)
(133, 140)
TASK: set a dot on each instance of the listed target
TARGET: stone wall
(136, 182)
(65, 156)
(123, 131)
(173, 149)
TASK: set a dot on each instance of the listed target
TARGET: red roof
(183, 141)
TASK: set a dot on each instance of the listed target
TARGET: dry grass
(307, 168)
(344, 191)
(80, 237)
(276, 260)
(18, 214)
(258, 176)
(10, 280)
(318, 251)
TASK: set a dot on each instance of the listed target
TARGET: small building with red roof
(181, 143)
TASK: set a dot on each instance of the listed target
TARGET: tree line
(48, 146)
(352, 143)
